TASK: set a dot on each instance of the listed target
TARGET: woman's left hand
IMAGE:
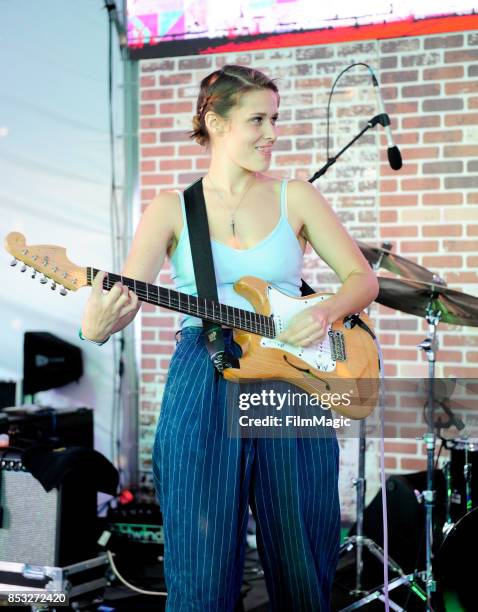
(308, 327)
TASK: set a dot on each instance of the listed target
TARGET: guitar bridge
(337, 345)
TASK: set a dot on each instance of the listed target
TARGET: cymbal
(413, 296)
(395, 263)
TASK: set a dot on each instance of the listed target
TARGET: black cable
(330, 98)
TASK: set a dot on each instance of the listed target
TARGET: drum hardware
(419, 298)
(377, 258)
(435, 302)
(461, 490)
(382, 257)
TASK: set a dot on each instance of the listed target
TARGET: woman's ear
(215, 124)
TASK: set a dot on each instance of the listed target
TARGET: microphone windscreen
(394, 158)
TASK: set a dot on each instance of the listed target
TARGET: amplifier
(57, 528)
(55, 426)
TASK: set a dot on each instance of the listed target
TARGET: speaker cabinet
(57, 528)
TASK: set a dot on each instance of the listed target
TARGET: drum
(461, 477)
(453, 566)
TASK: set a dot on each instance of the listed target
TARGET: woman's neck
(230, 179)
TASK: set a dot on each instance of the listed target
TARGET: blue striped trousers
(205, 482)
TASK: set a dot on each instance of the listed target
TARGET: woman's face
(250, 130)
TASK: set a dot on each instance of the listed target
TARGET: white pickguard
(283, 309)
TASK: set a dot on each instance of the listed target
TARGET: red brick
(398, 231)
(423, 121)
(415, 465)
(461, 150)
(388, 185)
(404, 448)
(416, 91)
(449, 356)
(294, 159)
(148, 364)
(445, 136)
(398, 76)
(461, 119)
(442, 199)
(176, 79)
(462, 55)
(386, 170)
(443, 261)
(398, 200)
(295, 129)
(148, 138)
(157, 179)
(157, 94)
(156, 122)
(420, 184)
(147, 109)
(461, 87)
(420, 153)
(389, 216)
(147, 81)
(472, 230)
(147, 194)
(175, 164)
(172, 108)
(191, 149)
(390, 463)
(461, 372)
(419, 246)
(460, 245)
(442, 230)
(157, 348)
(148, 166)
(157, 151)
(399, 355)
(442, 73)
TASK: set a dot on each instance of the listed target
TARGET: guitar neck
(209, 310)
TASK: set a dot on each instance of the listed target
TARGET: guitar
(346, 359)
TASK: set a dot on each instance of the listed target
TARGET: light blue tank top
(276, 259)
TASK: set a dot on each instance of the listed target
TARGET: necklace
(233, 219)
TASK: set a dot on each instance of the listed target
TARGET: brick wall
(429, 209)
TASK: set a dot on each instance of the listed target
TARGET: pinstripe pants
(205, 481)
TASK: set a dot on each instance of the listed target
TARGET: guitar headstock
(48, 259)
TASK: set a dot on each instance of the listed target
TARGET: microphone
(394, 155)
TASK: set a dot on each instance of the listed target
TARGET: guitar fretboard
(199, 307)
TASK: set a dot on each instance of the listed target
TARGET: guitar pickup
(337, 345)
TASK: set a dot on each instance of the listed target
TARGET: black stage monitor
(49, 362)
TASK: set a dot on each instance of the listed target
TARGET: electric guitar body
(346, 360)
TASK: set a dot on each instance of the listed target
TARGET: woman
(205, 480)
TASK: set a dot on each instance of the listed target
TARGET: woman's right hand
(105, 308)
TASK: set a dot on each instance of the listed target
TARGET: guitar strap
(204, 274)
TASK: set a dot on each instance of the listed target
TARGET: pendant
(233, 241)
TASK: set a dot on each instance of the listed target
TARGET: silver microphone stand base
(408, 580)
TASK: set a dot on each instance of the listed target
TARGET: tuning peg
(43, 280)
(23, 268)
(14, 262)
(63, 291)
(34, 273)
(53, 286)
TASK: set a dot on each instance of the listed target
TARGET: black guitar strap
(204, 274)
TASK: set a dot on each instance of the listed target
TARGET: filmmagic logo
(270, 398)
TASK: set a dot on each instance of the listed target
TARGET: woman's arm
(331, 241)
(108, 312)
